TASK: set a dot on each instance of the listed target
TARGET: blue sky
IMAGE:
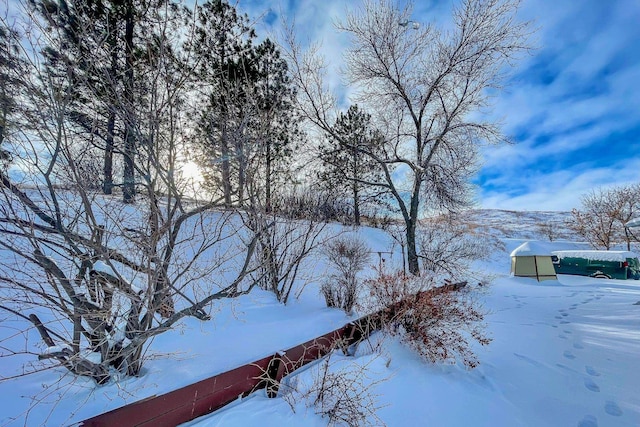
(572, 107)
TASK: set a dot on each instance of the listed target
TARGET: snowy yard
(564, 353)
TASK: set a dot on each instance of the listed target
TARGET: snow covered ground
(564, 353)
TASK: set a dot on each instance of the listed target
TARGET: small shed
(532, 259)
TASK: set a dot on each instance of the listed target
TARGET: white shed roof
(532, 249)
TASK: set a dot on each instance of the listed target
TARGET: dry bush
(448, 246)
(548, 230)
(348, 256)
(310, 204)
(439, 323)
(340, 390)
(284, 245)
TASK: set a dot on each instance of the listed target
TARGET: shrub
(439, 323)
(313, 205)
(340, 390)
(448, 247)
(348, 256)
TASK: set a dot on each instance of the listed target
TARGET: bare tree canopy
(428, 89)
(97, 279)
(604, 213)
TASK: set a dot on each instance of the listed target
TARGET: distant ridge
(534, 225)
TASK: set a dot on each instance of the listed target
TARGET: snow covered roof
(532, 248)
(597, 255)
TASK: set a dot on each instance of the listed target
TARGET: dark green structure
(601, 264)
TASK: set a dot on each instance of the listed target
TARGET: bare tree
(98, 279)
(283, 246)
(604, 214)
(426, 87)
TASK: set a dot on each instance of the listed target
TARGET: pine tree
(348, 163)
(10, 85)
(277, 127)
(222, 51)
(85, 51)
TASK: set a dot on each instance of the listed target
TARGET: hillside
(539, 225)
(555, 345)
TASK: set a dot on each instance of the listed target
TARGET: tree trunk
(4, 112)
(129, 187)
(242, 171)
(134, 361)
(627, 238)
(107, 186)
(356, 204)
(412, 253)
(411, 224)
(356, 201)
(267, 184)
(226, 172)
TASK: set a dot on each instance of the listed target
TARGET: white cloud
(574, 92)
(568, 101)
(560, 190)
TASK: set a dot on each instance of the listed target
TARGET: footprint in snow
(558, 317)
(612, 408)
(572, 308)
(568, 355)
(527, 359)
(565, 367)
(562, 336)
(591, 371)
(588, 421)
(578, 346)
(564, 322)
(590, 385)
(565, 314)
(566, 331)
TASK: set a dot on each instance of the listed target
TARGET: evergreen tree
(222, 51)
(349, 167)
(277, 127)
(86, 52)
(11, 67)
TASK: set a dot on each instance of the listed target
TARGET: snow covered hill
(564, 353)
(539, 225)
